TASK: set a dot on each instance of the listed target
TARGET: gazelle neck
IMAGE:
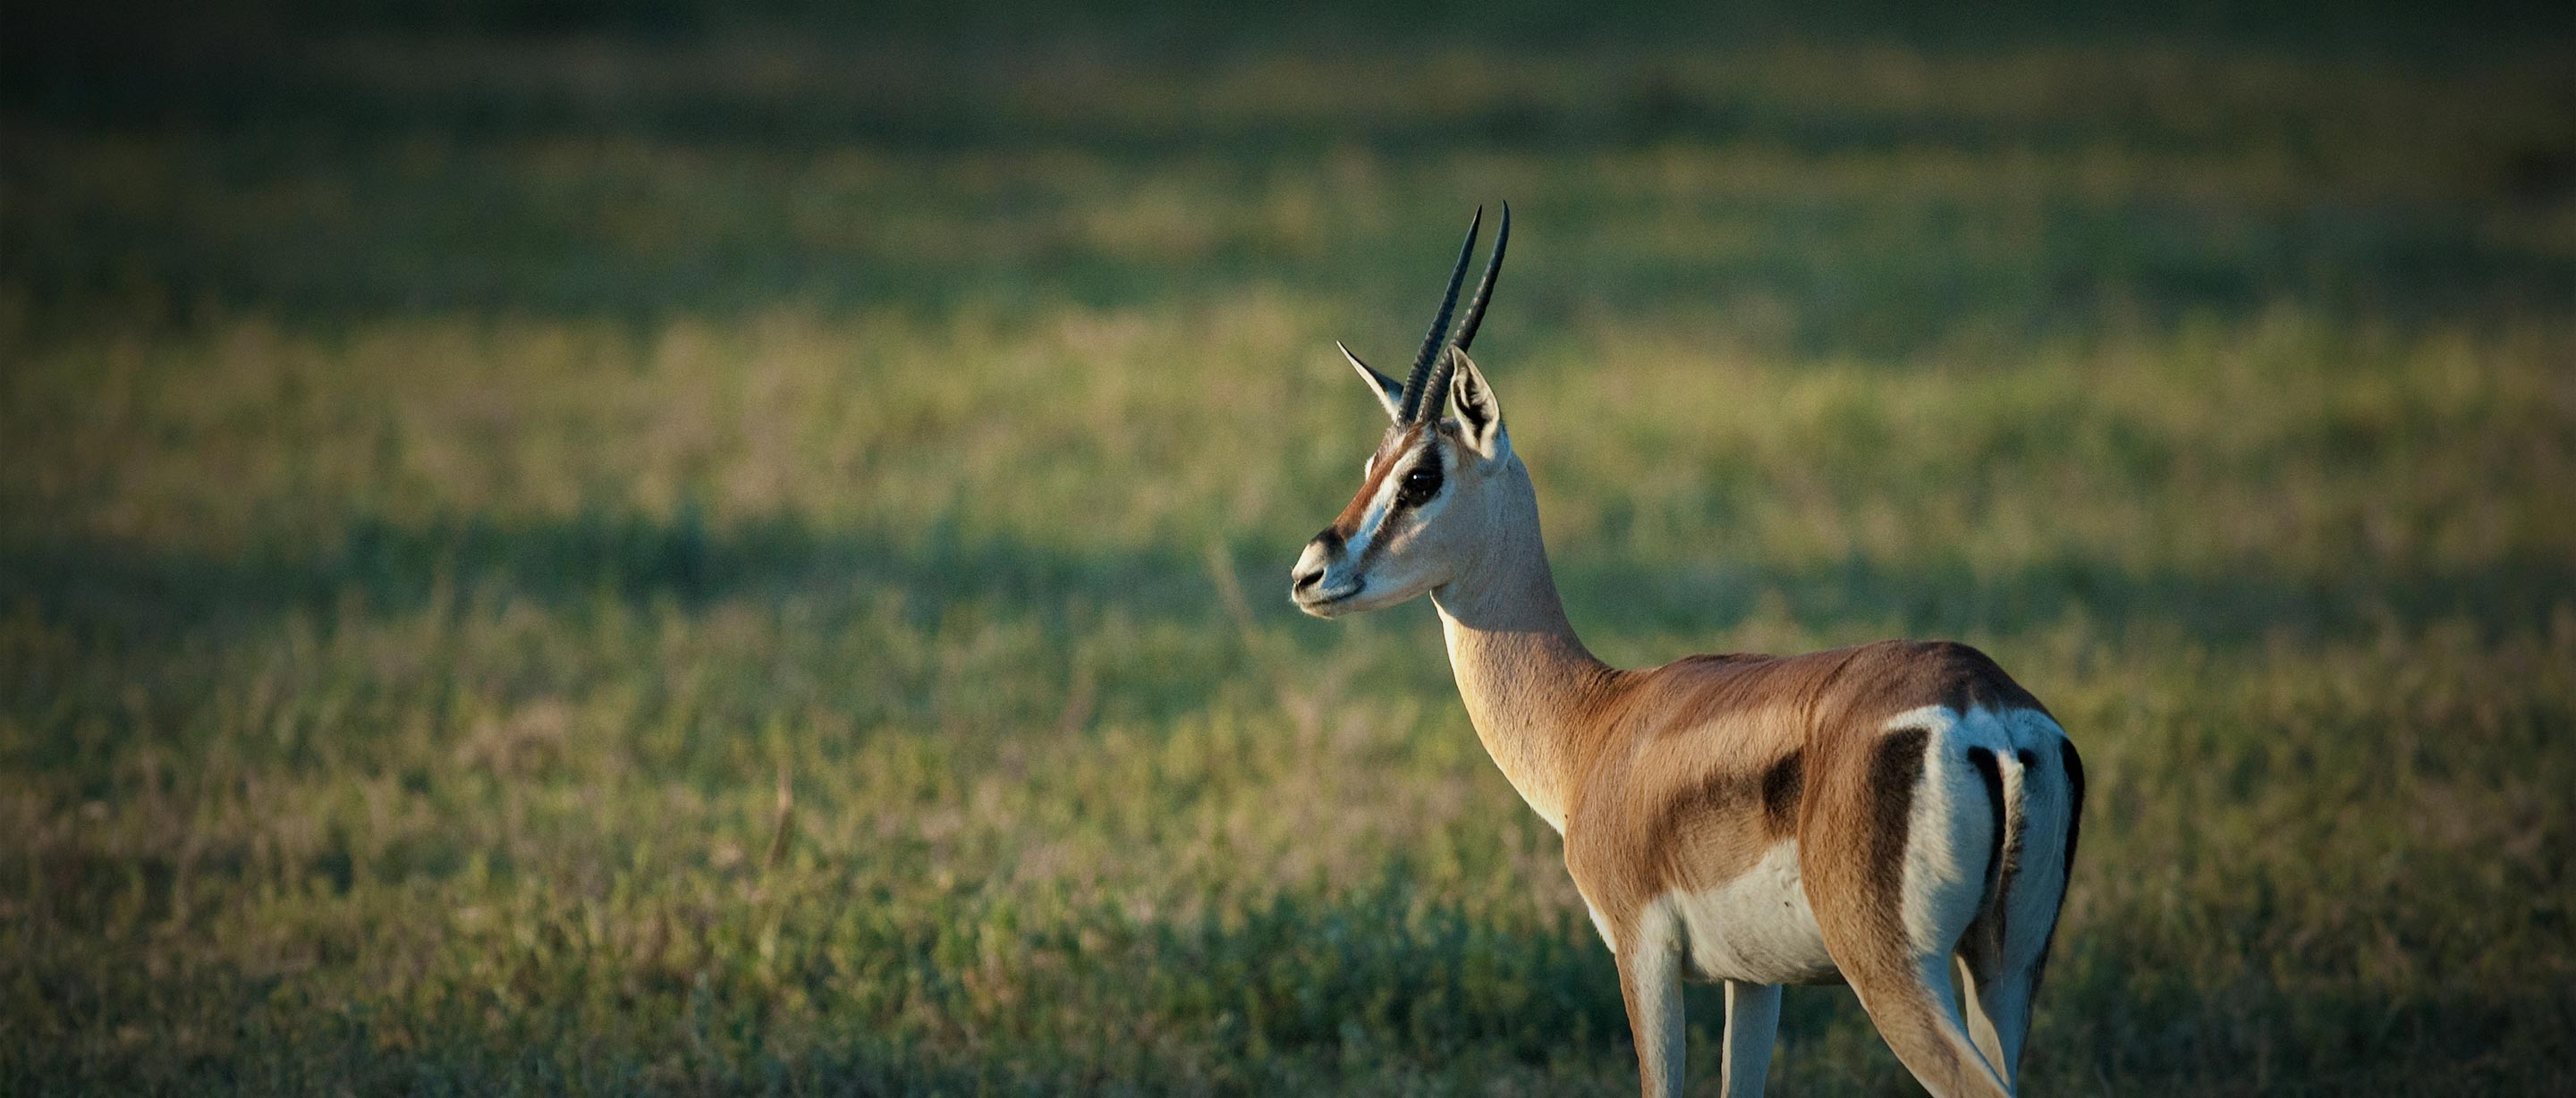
(1529, 684)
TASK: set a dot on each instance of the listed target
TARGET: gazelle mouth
(1324, 599)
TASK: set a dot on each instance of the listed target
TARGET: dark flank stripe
(1894, 770)
(1717, 795)
(1782, 783)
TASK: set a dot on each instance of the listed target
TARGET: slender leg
(2002, 955)
(1650, 979)
(1752, 1021)
(1999, 1014)
(1893, 918)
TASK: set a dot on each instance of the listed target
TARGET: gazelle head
(1427, 503)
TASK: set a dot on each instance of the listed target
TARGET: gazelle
(1871, 815)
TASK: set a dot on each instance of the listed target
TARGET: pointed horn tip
(1432, 340)
(1468, 325)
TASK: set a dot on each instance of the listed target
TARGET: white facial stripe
(1357, 548)
(1382, 506)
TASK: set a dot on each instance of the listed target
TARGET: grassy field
(730, 561)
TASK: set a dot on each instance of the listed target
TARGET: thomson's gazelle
(1871, 815)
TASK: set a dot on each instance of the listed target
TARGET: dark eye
(1422, 483)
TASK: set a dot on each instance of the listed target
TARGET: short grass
(749, 563)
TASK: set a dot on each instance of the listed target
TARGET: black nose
(1304, 578)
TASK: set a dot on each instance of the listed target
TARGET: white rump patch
(1935, 719)
(2040, 790)
(1952, 832)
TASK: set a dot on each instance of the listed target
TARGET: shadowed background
(466, 468)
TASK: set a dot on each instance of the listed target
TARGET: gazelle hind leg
(1994, 970)
(1894, 916)
(1998, 1007)
(2007, 949)
(1921, 1022)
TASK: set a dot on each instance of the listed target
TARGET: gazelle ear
(1390, 394)
(1480, 416)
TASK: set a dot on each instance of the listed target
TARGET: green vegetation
(450, 485)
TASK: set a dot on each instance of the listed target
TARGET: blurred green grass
(449, 479)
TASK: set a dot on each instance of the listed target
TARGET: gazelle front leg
(1650, 980)
(1752, 1022)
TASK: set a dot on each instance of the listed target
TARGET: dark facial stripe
(1347, 524)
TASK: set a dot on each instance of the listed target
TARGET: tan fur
(1658, 777)
(1348, 522)
(1677, 779)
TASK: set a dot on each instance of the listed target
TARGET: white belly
(1756, 928)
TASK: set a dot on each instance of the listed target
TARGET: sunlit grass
(606, 605)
